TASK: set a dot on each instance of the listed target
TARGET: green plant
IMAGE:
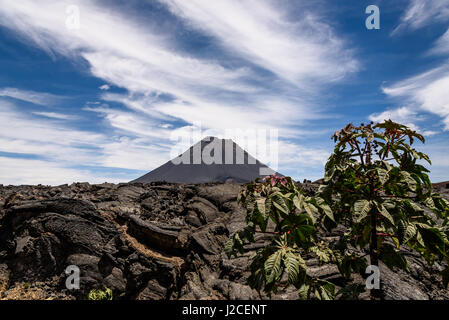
(276, 207)
(98, 294)
(378, 190)
(375, 188)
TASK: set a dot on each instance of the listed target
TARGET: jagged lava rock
(148, 241)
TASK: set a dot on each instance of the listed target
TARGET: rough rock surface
(146, 241)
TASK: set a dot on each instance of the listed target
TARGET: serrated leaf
(402, 227)
(298, 201)
(419, 238)
(410, 232)
(279, 203)
(311, 211)
(273, 267)
(409, 180)
(303, 291)
(325, 291)
(328, 175)
(293, 263)
(324, 254)
(384, 212)
(326, 209)
(261, 206)
(361, 210)
(383, 175)
(392, 257)
(430, 203)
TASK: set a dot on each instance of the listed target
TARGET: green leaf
(323, 253)
(402, 227)
(98, 294)
(430, 203)
(383, 175)
(279, 203)
(261, 206)
(293, 263)
(396, 242)
(392, 257)
(409, 180)
(409, 232)
(304, 291)
(298, 201)
(384, 212)
(325, 291)
(361, 210)
(419, 238)
(351, 263)
(273, 266)
(328, 175)
(311, 211)
(326, 209)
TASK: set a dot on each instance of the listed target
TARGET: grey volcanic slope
(184, 169)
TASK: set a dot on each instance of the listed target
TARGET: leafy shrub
(375, 188)
(277, 203)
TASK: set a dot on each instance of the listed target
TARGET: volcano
(210, 160)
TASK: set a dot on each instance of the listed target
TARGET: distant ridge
(201, 172)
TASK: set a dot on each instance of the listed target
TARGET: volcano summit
(210, 160)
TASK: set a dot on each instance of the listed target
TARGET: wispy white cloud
(132, 56)
(426, 92)
(136, 57)
(165, 84)
(403, 115)
(65, 148)
(429, 133)
(140, 154)
(103, 33)
(298, 50)
(422, 13)
(441, 45)
(40, 98)
(135, 124)
(25, 171)
(293, 154)
(55, 115)
(24, 133)
(15, 124)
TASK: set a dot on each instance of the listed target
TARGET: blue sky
(103, 102)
